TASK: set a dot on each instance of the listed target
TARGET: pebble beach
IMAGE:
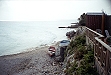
(35, 62)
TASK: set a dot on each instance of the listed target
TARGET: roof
(94, 13)
(64, 43)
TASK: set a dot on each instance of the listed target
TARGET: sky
(50, 10)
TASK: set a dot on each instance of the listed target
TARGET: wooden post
(107, 62)
(103, 24)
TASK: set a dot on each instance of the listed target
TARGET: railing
(102, 52)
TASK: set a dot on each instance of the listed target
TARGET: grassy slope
(81, 61)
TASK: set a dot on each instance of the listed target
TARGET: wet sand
(35, 62)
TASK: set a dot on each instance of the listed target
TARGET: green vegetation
(76, 45)
(83, 58)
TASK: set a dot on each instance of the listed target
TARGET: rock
(46, 72)
(47, 64)
(54, 64)
(61, 63)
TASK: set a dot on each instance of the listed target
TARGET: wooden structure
(102, 51)
(96, 21)
(108, 23)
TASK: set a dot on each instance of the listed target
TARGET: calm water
(16, 37)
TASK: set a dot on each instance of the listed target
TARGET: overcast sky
(49, 10)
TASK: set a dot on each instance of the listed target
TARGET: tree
(82, 20)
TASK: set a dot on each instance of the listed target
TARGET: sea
(18, 36)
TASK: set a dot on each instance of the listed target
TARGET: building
(99, 21)
(96, 26)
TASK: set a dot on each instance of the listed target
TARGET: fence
(102, 51)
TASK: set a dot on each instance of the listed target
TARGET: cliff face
(79, 58)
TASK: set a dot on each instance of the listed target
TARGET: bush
(80, 40)
(89, 57)
(78, 43)
(83, 54)
(87, 63)
(78, 55)
(71, 69)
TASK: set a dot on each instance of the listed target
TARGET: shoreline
(31, 49)
(32, 61)
(35, 62)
